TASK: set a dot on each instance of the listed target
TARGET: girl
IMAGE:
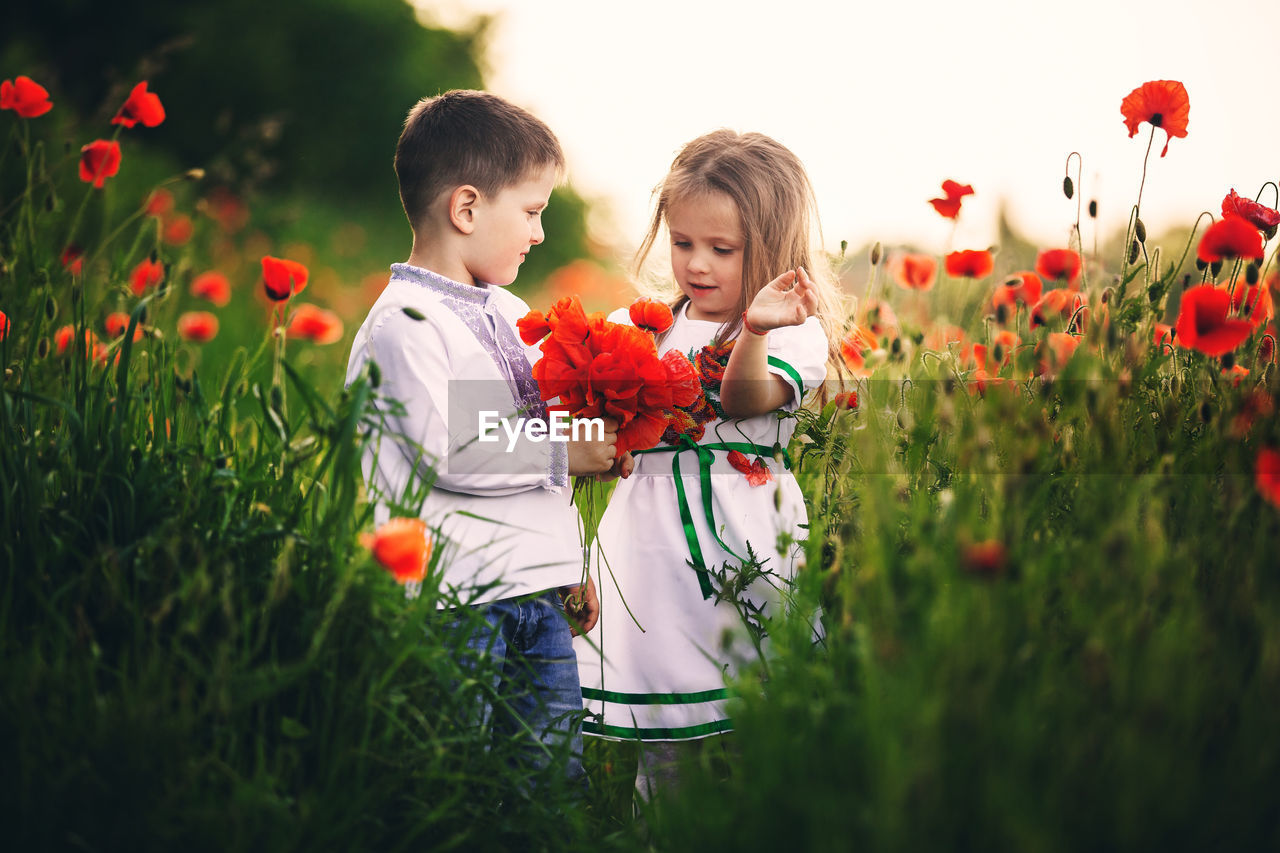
(678, 528)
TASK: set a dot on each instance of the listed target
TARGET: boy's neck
(438, 257)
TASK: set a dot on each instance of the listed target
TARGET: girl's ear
(463, 202)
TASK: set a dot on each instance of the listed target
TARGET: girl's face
(706, 255)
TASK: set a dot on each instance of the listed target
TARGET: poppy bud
(875, 253)
(1206, 411)
(1251, 273)
(1002, 313)
(277, 398)
(375, 374)
(1153, 293)
(413, 313)
(1228, 361)
(948, 386)
(1106, 295)
(896, 346)
(1134, 248)
(1175, 385)
(1140, 230)
(998, 353)
(153, 256)
(50, 307)
(196, 174)
(1093, 209)
(844, 247)
(1068, 188)
(1200, 265)
(1215, 268)
(42, 348)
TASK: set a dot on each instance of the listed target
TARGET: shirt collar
(477, 295)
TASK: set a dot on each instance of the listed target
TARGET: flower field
(1044, 502)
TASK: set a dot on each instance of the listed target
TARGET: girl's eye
(680, 244)
(720, 251)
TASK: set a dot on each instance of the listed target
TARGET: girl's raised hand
(788, 300)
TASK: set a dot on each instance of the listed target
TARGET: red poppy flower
(1251, 301)
(402, 547)
(1203, 323)
(952, 193)
(1162, 103)
(1024, 287)
(281, 277)
(99, 160)
(846, 400)
(73, 259)
(1267, 347)
(315, 324)
(651, 315)
(25, 96)
(160, 204)
(117, 323)
(1258, 215)
(145, 275)
(1230, 237)
(853, 349)
(140, 106)
(177, 230)
(1062, 303)
(1163, 336)
(1058, 265)
(212, 286)
(757, 473)
(230, 212)
(198, 326)
(1055, 351)
(685, 386)
(984, 559)
(1004, 341)
(1267, 470)
(878, 318)
(914, 272)
(533, 327)
(64, 339)
(1237, 372)
(4, 325)
(970, 263)
(940, 338)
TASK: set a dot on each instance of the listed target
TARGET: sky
(884, 101)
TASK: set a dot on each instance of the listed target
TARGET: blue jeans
(537, 679)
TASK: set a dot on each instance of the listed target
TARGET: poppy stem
(1273, 186)
(1145, 158)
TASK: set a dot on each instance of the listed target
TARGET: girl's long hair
(770, 189)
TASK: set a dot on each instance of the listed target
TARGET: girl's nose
(698, 263)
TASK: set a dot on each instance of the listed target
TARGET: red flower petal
(99, 160)
(914, 272)
(969, 263)
(315, 324)
(140, 106)
(1258, 215)
(146, 275)
(1203, 323)
(739, 461)
(759, 474)
(1059, 265)
(1163, 104)
(1230, 237)
(212, 286)
(533, 327)
(1267, 472)
(402, 547)
(651, 315)
(281, 277)
(198, 326)
(25, 96)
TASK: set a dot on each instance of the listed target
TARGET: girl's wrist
(752, 329)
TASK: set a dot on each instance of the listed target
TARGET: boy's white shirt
(503, 521)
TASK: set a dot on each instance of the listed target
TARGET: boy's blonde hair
(468, 137)
(777, 212)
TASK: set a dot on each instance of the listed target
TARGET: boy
(475, 174)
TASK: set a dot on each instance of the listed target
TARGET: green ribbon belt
(706, 456)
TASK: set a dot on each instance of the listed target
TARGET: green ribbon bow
(706, 456)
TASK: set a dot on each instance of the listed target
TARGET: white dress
(667, 682)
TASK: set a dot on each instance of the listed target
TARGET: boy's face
(507, 226)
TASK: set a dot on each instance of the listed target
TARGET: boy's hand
(582, 606)
(788, 300)
(588, 454)
(622, 467)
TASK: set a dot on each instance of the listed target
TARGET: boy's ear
(462, 208)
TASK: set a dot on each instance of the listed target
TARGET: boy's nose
(536, 235)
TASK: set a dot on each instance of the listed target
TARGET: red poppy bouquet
(599, 369)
